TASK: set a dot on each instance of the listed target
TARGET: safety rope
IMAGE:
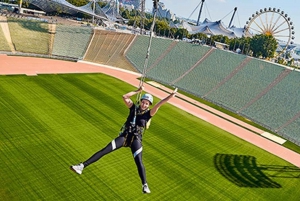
(138, 97)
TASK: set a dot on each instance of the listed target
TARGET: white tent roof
(212, 28)
(64, 6)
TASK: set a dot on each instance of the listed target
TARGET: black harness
(132, 133)
(131, 130)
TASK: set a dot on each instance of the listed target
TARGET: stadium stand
(71, 41)
(279, 105)
(29, 36)
(194, 66)
(108, 48)
(163, 55)
(210, 73)
(245, 85)
(229, 80)
(137, 52)
(291, 132)
(175, 64)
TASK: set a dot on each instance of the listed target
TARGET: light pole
(20, 7)
(94, 6)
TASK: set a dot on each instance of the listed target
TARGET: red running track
(32, 66)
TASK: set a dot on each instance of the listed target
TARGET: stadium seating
(179, 60)
(210, 72)
(71, 41)
(108, 47)
(245, 85)
(291, 132)
(137, 53)
(229, 80)
(279, 105)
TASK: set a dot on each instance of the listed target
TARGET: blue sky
(223, 9)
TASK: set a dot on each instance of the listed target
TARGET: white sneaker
(77, 168)
(146, 189)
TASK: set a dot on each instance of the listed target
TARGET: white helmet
(148, 97)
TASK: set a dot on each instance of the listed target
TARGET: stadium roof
(66, 7)
(212, 28)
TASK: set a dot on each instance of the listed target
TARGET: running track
(10, 65)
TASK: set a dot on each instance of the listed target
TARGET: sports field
(49, 122)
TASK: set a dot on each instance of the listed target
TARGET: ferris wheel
(272, 21)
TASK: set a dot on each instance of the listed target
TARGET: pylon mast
(235, 9)
(200, 12)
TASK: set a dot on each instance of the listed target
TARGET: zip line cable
(146, 61)
(149, 48)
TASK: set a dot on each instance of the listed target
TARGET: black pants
(136, 150)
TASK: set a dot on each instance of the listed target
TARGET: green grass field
(49, 122)
(29, 36)
(3, 43)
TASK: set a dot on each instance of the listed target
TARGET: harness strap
(132, 133)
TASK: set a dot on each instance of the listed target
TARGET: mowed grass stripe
(82, 103)
(72, 116)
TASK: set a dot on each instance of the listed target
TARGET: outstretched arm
(163, 101)
(126, 97)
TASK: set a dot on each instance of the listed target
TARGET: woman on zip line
(131, 133)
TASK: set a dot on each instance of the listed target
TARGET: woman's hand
(141, 88)
(126, 97)
(163, 101)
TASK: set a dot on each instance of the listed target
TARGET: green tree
(221, 39)
(263, 46)
(78, 2)
(161, 27)
(181, 33)
(125, 14)
(172, 32)
(200, 36)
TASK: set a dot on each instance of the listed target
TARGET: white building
(163, 12)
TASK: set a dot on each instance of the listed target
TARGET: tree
(78, 2)
(263, 46)
(220, 38)
(161, 27)
(125, 14)
(181, 33)
(200, 36)
(172, 32)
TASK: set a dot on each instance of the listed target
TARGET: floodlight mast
(94, 7)
(200, 12)
(20, 7)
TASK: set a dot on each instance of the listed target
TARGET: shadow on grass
(243, 171)
(30, 25)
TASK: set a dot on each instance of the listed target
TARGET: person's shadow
(243, 171)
